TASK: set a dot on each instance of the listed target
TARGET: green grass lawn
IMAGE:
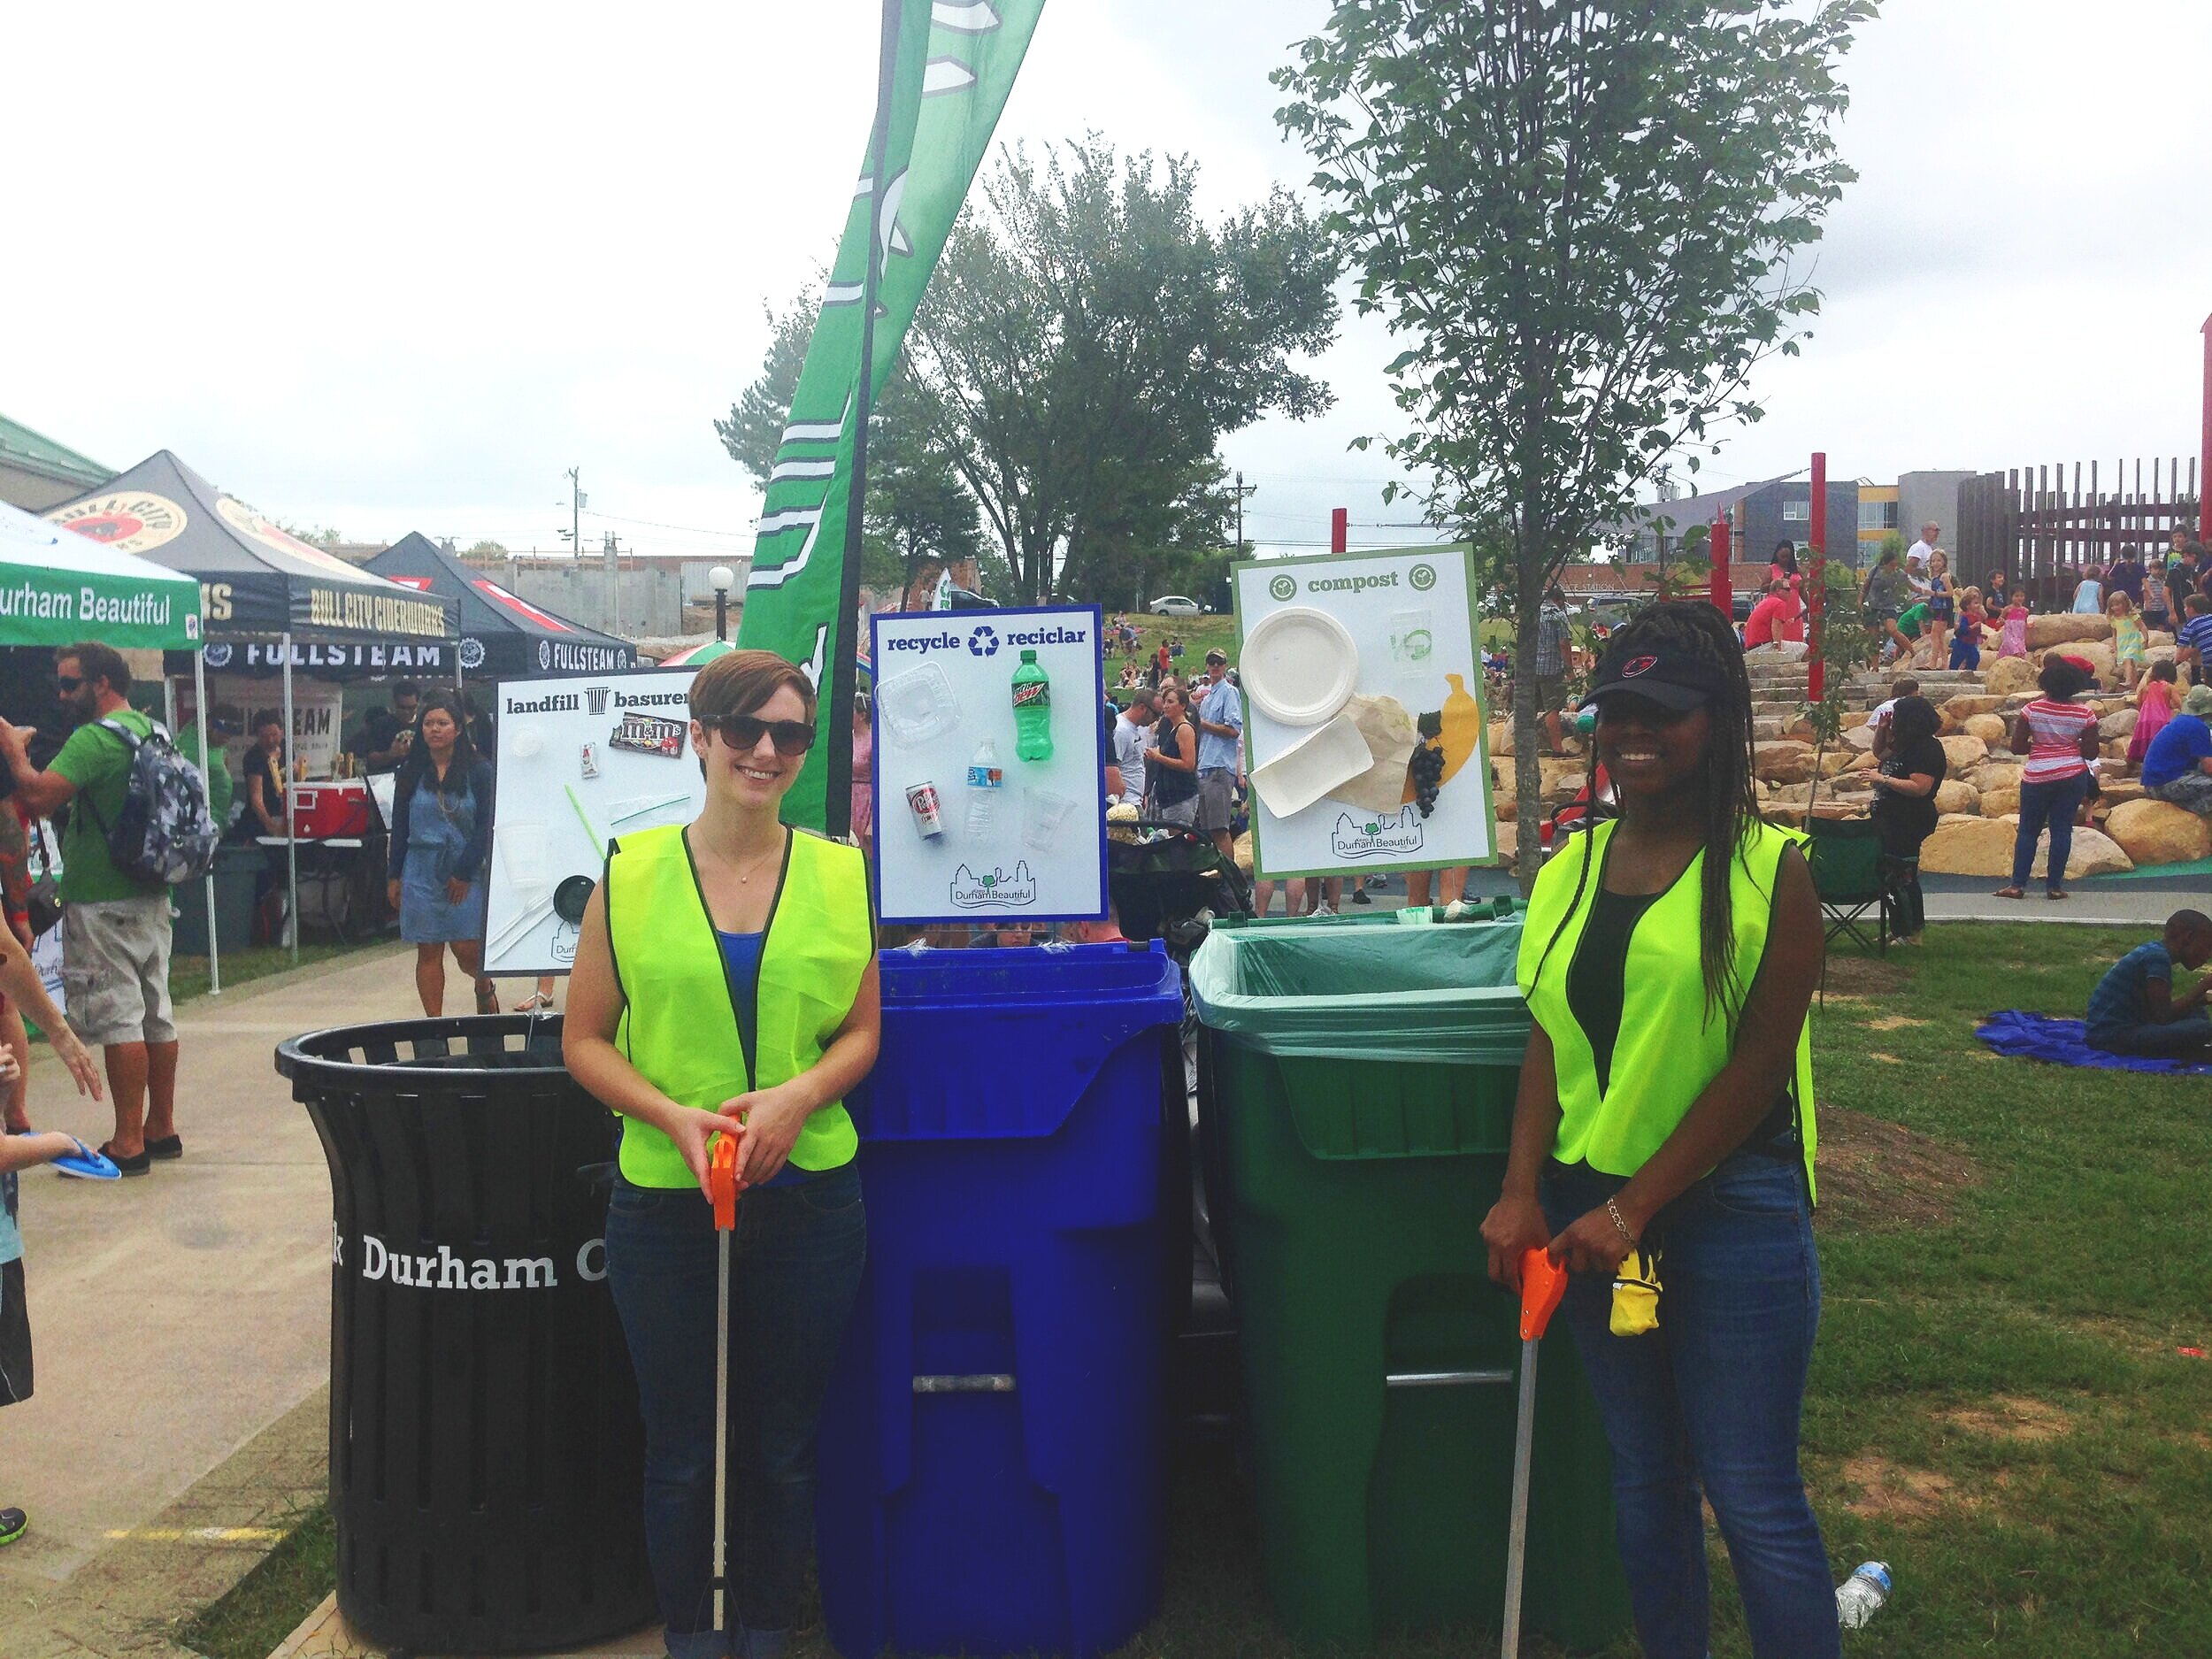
(2012, 1256)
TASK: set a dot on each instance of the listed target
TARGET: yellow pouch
(1636, 1293)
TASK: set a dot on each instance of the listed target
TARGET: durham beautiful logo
(1377, 837)
(996, 891)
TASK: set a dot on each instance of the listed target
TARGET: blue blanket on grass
(2062, 1043)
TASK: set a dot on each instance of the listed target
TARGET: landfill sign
(989, 766)
(1373, 756)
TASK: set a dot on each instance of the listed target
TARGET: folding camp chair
(1846, 856)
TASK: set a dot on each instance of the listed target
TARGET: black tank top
(1171, 788)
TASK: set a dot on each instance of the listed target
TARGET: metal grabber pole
(1542, 1284)
(722, 1188)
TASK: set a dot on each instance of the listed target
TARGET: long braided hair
(1695, 628)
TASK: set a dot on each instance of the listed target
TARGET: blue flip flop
(88, 1166)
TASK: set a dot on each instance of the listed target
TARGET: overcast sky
(399, 267)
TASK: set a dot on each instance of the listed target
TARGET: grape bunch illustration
(1427, 771)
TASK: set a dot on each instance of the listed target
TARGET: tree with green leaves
(1088, 340)
(1091, 338)
(917, 508)
(1585, 221)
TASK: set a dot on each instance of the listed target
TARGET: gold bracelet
(1613, 1209)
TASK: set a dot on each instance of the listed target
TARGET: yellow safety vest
(679, 1026)
(1668, 1049)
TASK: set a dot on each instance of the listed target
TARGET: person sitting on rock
(2178, 763)
(2135, 1009)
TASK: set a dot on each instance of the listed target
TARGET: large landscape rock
(2065, 629)
(1969, 847)
(1957, 711)
(2010, 676)
(1859, 737)
(1957, 797)
(2118, 724)
(2005, 798)
(1501, 737)
(1963, 752)
(1784, 761)
(2093, 854)
(1995, 774)
(2159, 832)
(1983, 846)
(1992, 729)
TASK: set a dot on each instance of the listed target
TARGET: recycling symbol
(983, 642)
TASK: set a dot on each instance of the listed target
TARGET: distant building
(1760, 516)
(1877, 518)
(35, 473)
(1931, 498)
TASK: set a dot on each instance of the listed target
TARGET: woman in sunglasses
(726, 984)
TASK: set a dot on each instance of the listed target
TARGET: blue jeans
(1712, 1400)
(2177, 1039)
(2054, 803)
(794, 1270)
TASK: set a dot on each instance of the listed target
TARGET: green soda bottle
(1032, 709)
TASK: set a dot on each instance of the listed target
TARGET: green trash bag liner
(1429, 996)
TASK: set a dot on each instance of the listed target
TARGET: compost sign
(1363, 723)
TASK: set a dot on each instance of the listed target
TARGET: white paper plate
(1317, 763)
(1299, 665)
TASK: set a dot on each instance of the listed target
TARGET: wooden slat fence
(2041, 525)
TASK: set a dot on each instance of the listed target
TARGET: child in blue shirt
(2135, 1009)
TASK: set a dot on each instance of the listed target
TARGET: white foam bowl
(1299, 665)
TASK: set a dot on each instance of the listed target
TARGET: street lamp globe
(722, 578)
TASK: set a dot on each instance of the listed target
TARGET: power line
(655, 523)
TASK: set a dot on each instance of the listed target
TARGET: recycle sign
(983, 642)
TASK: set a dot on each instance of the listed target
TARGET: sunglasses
(68, 682)
(743, 732)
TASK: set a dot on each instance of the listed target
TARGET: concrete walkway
(177, 1316)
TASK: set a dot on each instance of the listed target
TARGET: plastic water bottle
(986, 787)
(1861, 1595)
(1032, 709)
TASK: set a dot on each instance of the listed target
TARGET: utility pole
(1242, 490)
(614, 583)
(576, 500)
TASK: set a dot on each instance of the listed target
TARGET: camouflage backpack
(165, 834)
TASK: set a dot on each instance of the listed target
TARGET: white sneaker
(1322, 908)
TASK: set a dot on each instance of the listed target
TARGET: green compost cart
(1357, 1089)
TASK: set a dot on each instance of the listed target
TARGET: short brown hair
(739, 682)
(99, 662)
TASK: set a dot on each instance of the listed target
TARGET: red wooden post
(1816, 671)
(1340, 529)
(2204, 473)
(1722, 589)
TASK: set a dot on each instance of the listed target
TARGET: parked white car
(1175, 605)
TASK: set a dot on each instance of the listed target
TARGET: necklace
(745, 872)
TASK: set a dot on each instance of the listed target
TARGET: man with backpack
(115, 921)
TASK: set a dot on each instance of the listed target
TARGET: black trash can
(485, 1452)
(236, 870)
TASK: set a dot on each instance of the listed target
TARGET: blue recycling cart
(992, 1452)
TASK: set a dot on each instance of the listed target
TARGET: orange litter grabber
(722, 1190)
(1543, 1283)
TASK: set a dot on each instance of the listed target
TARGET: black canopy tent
(260, 586)
(503, 635)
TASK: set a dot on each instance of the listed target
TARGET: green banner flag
(947, 68)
